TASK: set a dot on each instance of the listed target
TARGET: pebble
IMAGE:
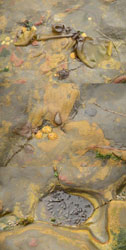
(58, 119)
(52, 136)
(72, 55)
(3, 42)
(91, 111)
(38, 135)
(83, 35)
(46, 129)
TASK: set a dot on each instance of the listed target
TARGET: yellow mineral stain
(36, 115)
(17, 210)
(59, 44)
(89, 132)
(110, 64)
(3, 22)
(101, 174)
(5, 127)
(32, 197)
(48, 146)
(51, 62)
(60, 99)
(109, 48)
(114, 215)
(43, 213)
(65, 236)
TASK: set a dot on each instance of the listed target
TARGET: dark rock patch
(67, 209)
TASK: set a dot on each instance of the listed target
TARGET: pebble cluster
(7, 41)
(47, 130)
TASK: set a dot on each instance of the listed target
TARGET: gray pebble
(58, 119)
(91, 111)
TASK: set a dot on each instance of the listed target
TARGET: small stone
(83, 35)
(46, 129)
(35, 43)
(7, 38)
(58, 119)
(63, 74)
(38, 135)
(72, 55)
(3, 42)
(52, 136)
(91, 111)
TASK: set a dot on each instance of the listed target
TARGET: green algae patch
(107, 156)
(5, 52)
(120, 240)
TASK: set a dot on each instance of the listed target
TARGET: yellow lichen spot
(72, 55)
(38, 135)
(7, 38)
(83, 35)
(34, 28)
(52, 136)
(46, 129)
(3, 42)
(7, 43)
